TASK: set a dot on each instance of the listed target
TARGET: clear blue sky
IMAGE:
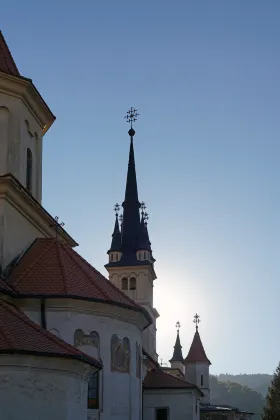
(204, 76)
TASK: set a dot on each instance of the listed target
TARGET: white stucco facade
(181, 404)
(35, 387)
(198, 374)
(120, 394)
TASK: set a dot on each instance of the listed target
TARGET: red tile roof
(157, 379)
(7, 64)
(197, 353)
(52, 268)
(4, 287)
(20, 335)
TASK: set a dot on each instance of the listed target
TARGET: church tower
(131, 262)
(24, 119)
(197, 364)
(177, 360)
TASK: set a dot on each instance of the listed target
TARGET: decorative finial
(117, 209)
(146, 218)
(196, 320)
(121, 218)
(131, 116)
(56, 225)
(161, 362)
(143, 207)
(178, 326)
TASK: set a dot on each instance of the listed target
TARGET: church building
(75, 345)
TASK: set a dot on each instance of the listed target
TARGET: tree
(271, 409)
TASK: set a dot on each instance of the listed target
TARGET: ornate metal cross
(57, 225)
(196, 320)
(131, 116)
(178, 326)
(117, 209)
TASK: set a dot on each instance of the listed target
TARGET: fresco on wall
(82, 339)
(120, 354)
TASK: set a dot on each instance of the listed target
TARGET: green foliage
(236, 395)
(271, 410)
(258, 382)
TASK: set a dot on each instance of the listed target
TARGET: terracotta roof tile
(157, 379)
(197, 353)
(52, 268)
(7, 64)
(20, 335)
(4, 287)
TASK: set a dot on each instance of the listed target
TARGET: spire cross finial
(178, 326)
(146, 218)
(143, 208)
(117, 209)
(196, 320)
(131, 116)
(56, 225)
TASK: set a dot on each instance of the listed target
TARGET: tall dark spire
(131, 205)
(177, 353)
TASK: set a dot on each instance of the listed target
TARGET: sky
(204, 76)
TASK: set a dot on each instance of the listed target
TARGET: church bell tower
(131, 261)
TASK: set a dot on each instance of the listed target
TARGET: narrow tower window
(144, 255)
(93, 397)
(29, 170)
(201, 380)
(124, 283)
(132, 283)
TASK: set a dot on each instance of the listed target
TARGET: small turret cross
(57, 225)
(178, 326)
(131, 116)
(196, 320)
(117, 209)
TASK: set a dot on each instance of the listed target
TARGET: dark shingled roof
(7, 63)
(157, 379)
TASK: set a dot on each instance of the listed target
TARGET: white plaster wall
(16, 232)
(178, 365)
(181, 404)
(43, 388)
(193, 372)
(15, 138)
(122, 392)
(143, 295)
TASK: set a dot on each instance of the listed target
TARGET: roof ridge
(108, 281)
(63, 271)
(88, 276)
(9, 61)
(30, 266)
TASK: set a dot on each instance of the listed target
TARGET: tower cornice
(24, 89)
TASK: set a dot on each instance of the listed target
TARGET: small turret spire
(177, 353)
(197, 353)
(116, 236)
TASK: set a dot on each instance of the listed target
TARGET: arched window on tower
(124, 283)
(132, 283)
(93, 391)
(29, 170)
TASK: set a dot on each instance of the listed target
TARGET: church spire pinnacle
(177, 353)
(116, 236)
(197, 353)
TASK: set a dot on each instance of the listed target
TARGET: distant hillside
(258, 382)
(237, 395)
